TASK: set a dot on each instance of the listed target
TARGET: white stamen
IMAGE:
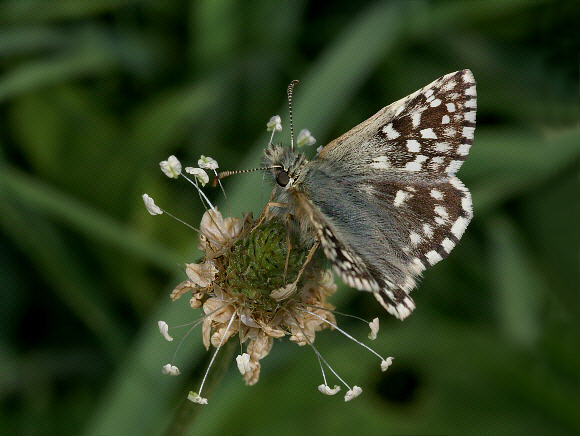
(207, 163)
(200, 175)
(152, 208)
(275, 124)
(374, 325)
(326, 390)
(353, 393)
(171, 167)
(243, 361)
(305, 138)
(196, 398)
(386, 363)
(164, 330)
(169, 369)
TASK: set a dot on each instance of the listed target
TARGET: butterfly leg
(308, 259)
(265, 213)
(288, 248)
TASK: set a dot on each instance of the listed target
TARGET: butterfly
(382, 200)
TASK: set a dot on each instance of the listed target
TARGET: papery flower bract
(305, 138)
(164, 330)
(152, 208)
(352, 393)
(201, 274)
(169, 369)
(275, 124)
(171, 167)
(207, 163)
(199, 174)
(215, 232)
(181, 289)
(326, 390)
(374, 325)
(386, 363)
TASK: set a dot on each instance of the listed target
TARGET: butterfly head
(285, 164)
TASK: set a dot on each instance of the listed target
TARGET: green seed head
(254, 266)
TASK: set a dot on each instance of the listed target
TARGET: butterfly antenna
(290, 90)
(229, 173)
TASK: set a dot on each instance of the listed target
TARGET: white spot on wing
(435, 102)
(413, 166)
(428, 133)
(449, 131)
(413, 145)
(433, 257)
(470, 116)
(463, 149)
(415, 238)
(449, 85)
(459, 227)
(468, 132)
(450, 107)
(436, 194)
(471, 103)
(445, 119)
(390, 132)
(466, 204)
(436, 162)
(447, 244)
(381, 163)
(453, 167)
(442, 212)
(400, 198)
(416, 118)
(416, 165)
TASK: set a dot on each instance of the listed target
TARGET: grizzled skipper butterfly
(383, 200)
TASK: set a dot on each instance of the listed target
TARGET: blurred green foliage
(94, 93)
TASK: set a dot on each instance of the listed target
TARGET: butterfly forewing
(405, 210)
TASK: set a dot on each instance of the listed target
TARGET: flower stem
(187, 411)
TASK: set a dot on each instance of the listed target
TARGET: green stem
(187, 411)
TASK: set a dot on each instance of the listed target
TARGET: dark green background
(94, 93)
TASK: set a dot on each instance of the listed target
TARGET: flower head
(257, 281)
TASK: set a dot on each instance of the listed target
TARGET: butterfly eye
(282, 178)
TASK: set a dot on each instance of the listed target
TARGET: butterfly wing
(385, 201)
